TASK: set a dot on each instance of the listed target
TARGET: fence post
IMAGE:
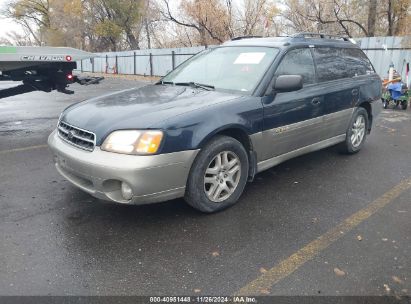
(173, 59)
(135, 68)
(116, 71)
(92, 65)
(151, 64)
(81, 65)
(106, 63)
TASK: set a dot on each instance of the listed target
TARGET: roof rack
(320, 35)
(245, 37)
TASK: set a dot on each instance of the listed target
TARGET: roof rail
(320, 35)
(245, 37)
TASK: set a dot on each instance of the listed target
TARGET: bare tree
(208, 18)
(397, 11)
(253, 14)
(383, 17)
(17, 39)
(334, 15)
(101, 25)
(372, 15)
(33, 15)
(118, 19)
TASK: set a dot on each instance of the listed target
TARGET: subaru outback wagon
(221, 117)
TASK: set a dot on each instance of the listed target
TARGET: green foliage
(116, 19)
(37, 10)
(108, 29)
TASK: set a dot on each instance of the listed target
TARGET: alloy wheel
(358, 131)
(222, 176)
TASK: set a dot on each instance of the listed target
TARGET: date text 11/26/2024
(203, 299)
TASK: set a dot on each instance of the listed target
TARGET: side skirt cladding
(267, 164)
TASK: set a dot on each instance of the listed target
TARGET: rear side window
(330, 64)
(298, 62)
(357, 62)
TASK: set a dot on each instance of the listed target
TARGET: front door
(293, 120)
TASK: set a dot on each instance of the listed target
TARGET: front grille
(77, 137)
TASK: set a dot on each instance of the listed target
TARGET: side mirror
(288, 83)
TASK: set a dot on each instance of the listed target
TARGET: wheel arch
(239, 133)
(367, 106)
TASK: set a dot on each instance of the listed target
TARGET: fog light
(126, 191)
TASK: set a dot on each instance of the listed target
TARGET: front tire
(356, 132)
(218, 175)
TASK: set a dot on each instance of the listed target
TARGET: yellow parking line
(23, 149)
(264, 283)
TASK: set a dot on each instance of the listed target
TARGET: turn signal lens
(149, 142)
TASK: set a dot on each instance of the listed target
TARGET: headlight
(133, 142)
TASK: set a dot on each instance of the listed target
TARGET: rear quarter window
(339, 63)
(357, 62)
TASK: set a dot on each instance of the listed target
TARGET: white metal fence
(158, 62)
(384, 50)
(150, 62)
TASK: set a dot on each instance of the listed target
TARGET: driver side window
(298, 62)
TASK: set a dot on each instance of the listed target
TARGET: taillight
(69, 58)
(70, 77)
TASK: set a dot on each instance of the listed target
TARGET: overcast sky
(7, 25)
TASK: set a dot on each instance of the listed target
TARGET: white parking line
(262, 284)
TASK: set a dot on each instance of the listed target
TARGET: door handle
(316, 101)
(354, 92)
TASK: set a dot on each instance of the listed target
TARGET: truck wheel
(356, 132)
(218, 175)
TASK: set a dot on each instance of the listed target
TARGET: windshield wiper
(207, 87)
(167, 82)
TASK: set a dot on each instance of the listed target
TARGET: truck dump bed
(23, 57)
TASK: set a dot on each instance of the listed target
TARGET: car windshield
(226, 68)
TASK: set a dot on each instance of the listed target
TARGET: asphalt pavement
(320, 224)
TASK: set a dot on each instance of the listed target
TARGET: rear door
(292, 120)
(340, 90)
(363, 74)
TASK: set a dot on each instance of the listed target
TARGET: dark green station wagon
(218, 119)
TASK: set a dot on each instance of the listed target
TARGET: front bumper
(153, 178)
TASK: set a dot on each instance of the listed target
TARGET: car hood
(140, 108)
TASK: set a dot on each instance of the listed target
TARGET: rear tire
(218, 175)
(356, 132)
(385, 104)
(404, 105)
